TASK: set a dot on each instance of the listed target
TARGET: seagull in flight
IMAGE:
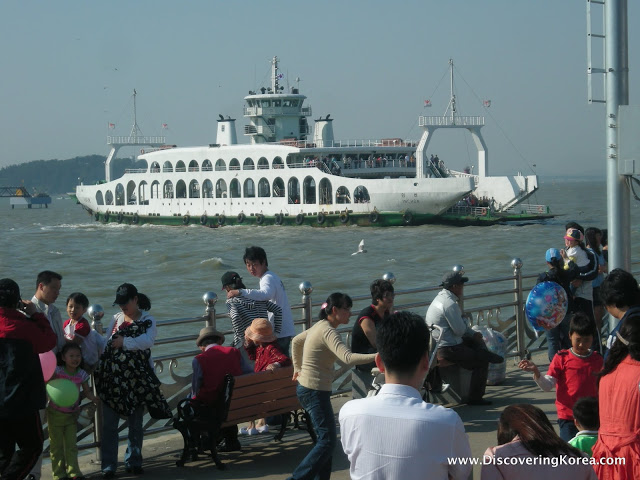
(361, 248)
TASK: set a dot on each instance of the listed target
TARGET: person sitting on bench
(209, 370)
(459, 343)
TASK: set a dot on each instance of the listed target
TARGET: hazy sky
(69, 69)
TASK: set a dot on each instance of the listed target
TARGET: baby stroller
(432, 382)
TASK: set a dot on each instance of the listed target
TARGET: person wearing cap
(558, 337)
(459, 343)
(24, 333)
(271, 288)
(209, 370)
(261, 346)
(243, 311)
(131, 334)
(587, 264)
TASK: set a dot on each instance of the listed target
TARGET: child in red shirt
(261, 345)
(78, 330)
(572, 372)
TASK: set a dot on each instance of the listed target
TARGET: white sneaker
(243, 431)
(252, 431)
(263, 429)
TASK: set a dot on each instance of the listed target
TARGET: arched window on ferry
(193, 166)
(248, 164)
(131, 193)
(278, 187)
(342, 195)
(142, 193)
(206, 166)
(181, 189)
(234, 188)
(326, 195)
(155, 168)
(167, 189)
(361, 195)
(249, 188)
(291, 162)
(293, 189)
(220, 165)
(263, 188)
(263, 164)
(155, 189)
(234, 164)
(108, 198)
(180, 166)
(221, 189)
(207, 189)
(309, 190)
(120, 194)
(194, 189)
(277, 163)
(99, 198)
(167, 167)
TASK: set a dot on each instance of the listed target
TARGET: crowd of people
(596, 385)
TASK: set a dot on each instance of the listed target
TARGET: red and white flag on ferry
(165, 126)
(487, 103)
(112, 126)
(427, 103)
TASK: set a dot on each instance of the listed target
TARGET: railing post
(516, 263)
(210, 299)
(95, 313)
(306, 289)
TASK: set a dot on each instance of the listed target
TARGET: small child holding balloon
(61, 412)
(572, 372)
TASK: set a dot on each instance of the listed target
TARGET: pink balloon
(48, 363)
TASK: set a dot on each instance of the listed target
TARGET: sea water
(175, 266)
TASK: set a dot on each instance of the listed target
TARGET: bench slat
(262, 377)
(261, 411)
(278, 396)
(272, 388)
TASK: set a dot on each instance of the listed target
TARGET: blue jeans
(317, 463)
(568, 429)
(558, 337)
(109, 448)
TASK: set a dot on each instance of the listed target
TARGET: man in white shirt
(272, 289)
(396, 435)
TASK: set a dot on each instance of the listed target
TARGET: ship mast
(452, 99)
(135, 130)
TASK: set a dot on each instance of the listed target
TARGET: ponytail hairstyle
(590, 236)
(338, 300)
(627, 342)
(143, 302)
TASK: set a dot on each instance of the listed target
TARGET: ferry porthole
(241, 217)
(299, 219)
(320, 218)
(221, 220)
(373, 217)
(344, 217)
(186, 219)
(259, 219)
(407, 218)
(135, 218)
(278, 219)
(203, 219)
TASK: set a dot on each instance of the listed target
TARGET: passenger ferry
(290, 175)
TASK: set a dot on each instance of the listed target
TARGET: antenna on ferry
(135, 130)
(274, 74)
(452, 100)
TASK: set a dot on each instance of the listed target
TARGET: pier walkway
(263, 458)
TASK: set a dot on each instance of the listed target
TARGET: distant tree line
(61, 176)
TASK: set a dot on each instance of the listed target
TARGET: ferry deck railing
(496, 302)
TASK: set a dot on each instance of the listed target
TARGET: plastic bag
(496, 343)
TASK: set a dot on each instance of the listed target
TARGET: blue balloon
(546, 306)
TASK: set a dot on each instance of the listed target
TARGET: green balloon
(63, 392)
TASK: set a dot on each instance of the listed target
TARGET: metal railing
(496, 302)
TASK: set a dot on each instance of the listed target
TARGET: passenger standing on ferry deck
(363, 335)
(48, 286)
(133, 306)
(315, 352)
(271, 288)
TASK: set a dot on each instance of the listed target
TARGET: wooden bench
(252, 396)
(265, 394)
